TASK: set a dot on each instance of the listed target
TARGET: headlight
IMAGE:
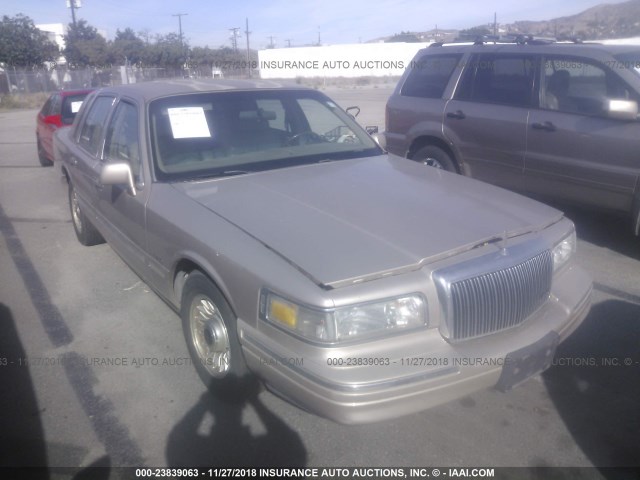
(563, 250)
(346, 323)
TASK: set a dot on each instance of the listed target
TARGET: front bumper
(415, 371)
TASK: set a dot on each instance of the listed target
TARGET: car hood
(354, 220)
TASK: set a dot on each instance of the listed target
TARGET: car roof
(147, 91)
(567, 48)
(68, 93)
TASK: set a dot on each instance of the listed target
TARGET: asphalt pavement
(94, 370)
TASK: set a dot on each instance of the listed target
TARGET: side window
(574, 85)
(122, 138)
(500, 79)
(430, 75)
(94, 124)
(324, 122)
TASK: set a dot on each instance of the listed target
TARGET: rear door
(574, 151)
(84, 162)
(486, 121)
(415, 110)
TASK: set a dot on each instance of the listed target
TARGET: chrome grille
(502, 298)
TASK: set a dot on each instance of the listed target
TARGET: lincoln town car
(357, 285)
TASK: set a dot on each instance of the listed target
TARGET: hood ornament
(503, 244)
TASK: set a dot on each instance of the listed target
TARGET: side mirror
(118, 174)
(355, 110)
(621, 109)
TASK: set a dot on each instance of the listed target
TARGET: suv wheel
(434, 157)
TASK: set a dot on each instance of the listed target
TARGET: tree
(167, 51)
(127, 46)
(473, 33)
(85, 46)
(23, 45)
(407, 37)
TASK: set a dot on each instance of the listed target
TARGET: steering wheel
(305, 138)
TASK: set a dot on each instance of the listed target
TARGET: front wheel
(209, 327)
(434, 157)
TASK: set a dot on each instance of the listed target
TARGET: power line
(234, 38)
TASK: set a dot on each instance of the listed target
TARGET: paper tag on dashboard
(188, 122)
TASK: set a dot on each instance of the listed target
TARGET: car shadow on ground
(595, 384)
(213, 433)
(22, 442)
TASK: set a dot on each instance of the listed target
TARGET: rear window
(430, 75)
(70, 107)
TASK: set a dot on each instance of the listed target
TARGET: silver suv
(556, 120)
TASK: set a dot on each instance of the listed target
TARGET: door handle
(459, 114)
(546, 126)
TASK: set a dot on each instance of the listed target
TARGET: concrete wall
(356, 60)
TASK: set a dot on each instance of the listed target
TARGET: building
(355, 60)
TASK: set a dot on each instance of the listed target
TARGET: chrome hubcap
(75, 211)
(432, 162)
(210, 337)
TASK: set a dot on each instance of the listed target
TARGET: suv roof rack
(519, 39)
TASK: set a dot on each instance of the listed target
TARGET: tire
(210, 330)
(85, 231)
(434, 157)
(42, 156)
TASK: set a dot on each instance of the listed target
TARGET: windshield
(230, 133)
(629, 60)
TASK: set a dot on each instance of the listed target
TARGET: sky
(284, 22)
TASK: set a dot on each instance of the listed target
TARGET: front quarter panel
(180, 229)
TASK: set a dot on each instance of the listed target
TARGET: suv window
(94, 124)
(430, 75)
(502, 79)
(122, 138)
(574, 85)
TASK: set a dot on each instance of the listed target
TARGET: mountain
(619, 20)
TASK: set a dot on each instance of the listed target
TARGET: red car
(58, 111)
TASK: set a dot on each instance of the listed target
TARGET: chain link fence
(15, 81)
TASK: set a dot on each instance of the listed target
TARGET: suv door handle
(459, 114)
(546, 126)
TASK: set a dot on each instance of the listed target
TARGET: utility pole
(180, 15)
(73, 4)
(271, 44)
(247, 33)
(288, 40)
(495, 23)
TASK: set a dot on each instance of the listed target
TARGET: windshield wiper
(226, 173)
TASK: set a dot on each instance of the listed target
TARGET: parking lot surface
(95, 370)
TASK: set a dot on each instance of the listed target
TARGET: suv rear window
(429, 76)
